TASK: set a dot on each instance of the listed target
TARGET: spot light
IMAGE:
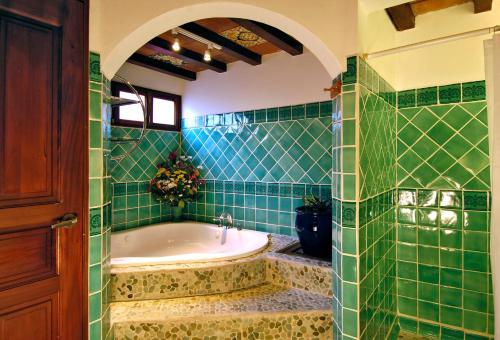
(206, 56)
(176, 46)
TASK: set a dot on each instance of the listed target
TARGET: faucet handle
(218, 220)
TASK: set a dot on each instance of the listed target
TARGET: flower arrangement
(177, 181)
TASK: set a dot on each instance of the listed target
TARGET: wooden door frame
(85, 208)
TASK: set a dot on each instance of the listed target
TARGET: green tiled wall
(445, 145)
(444, 277)
(259, 163)
(296, 150)
(262, 206)
(141, 164)
(376, 219)
(133, 206)
(99, 205)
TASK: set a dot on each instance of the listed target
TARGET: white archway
(119, 53)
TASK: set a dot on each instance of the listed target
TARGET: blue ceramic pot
(314, 228)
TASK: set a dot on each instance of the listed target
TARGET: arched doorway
(143, 31)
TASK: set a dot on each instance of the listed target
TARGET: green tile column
(99, 205)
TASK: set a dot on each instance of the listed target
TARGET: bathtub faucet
(224, 217)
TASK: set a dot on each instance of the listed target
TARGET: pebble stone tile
(269, 295)
(170, 281)
(267, 310)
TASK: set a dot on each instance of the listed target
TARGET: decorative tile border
(265, 115)
(455, 93)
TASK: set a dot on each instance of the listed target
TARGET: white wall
(280, 80)
(144, 77)
(454, 62)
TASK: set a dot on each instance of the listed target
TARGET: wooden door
(43, 168)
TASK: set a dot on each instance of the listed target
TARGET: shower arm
(116, 101)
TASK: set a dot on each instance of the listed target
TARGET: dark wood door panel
(43, 168)
(38, 320)
(30, 82)
(27, 256)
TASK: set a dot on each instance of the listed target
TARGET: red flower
(172, 156)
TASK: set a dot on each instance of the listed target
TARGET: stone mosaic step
(181, 280)
(267, 310)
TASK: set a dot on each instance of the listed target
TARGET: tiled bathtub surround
(261, 206)
(254, 205)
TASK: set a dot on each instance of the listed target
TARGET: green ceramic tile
(406, 99)
(428, 311)
(349, 105)
(350, 295)
(350, 76)
(95, 243)
(260, 116)
(451, 257)
(450, 94)
(407, 306)
(427, 96)
(95, 68)
(298, 112)
(95, 134)
(451, 238)
(94, 278)
(474, 91)
(95, 105)
(95, 330)
(476, 241)
(349, 265)
(95, 221)
(475, 321)
(348, 132)
(475, 220)
(95, 186)
(475, 200)
(94, 306)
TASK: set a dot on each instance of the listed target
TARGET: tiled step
(150, 282)
(266, 311)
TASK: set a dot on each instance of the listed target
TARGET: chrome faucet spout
(225, 220)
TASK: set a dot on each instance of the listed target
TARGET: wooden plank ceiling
(240, 39)
(403, 16)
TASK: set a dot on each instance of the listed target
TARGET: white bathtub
(188, 242)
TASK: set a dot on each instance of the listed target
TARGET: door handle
(67, 221)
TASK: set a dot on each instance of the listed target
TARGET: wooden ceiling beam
(273, 35)
(164, 47)
(402, 16)
(482, 5)
(229, 47)
(160, 66)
